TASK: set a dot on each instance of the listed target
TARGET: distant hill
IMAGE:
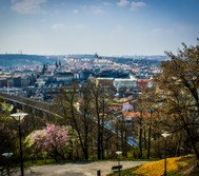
(91, 56)
(10, 60)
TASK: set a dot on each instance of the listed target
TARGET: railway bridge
(48, 111)
(28, 105)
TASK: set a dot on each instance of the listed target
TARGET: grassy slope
(176, 166)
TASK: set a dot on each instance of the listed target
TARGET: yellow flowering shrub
(156, 168)
(175, 166)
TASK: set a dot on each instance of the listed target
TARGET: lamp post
(118, 156)
(165, 135)
(7, 156)
(18, 117)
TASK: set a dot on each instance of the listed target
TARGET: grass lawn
(175, 167)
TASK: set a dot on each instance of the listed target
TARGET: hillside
(176, 166)
(10, 60)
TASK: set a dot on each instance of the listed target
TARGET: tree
(74, 105)
(140, 121)
(7, 139)
(148, 103)
(179, 85)
(85, 110)
(100, 112)
(152, 106)
(52, 139)
(97, 93)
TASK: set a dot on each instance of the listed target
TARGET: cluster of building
(46, 86)
(125, 76)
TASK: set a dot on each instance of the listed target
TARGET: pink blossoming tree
(52, 140)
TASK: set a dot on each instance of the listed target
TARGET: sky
(108, 27)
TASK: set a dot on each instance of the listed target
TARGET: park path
(78, 169)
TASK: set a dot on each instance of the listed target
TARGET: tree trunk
(140, 139)
(149, 143)
(125, 143)
(140, 143)
(122, 135)
(98, 128)
(178, 145)
(194, 144)
(98, 141)
(86, 146)
(145, 138)
(191, 137)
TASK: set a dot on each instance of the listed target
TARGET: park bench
(116, 168)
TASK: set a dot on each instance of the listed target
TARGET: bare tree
(179, 84)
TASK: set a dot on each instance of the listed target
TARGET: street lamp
(118, 156)
(18, 117)
(7, 156)
(165, 135)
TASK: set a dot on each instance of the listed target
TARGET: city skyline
(108, 27)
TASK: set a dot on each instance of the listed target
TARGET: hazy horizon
(81, 54)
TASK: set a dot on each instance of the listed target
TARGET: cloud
(118, 29)
(27, 6)
(136, 5)
(80, 26)
(94, 9)
(97, 10)
(133, 5)
(123, 3)
(58, 26)
(75, 11)
(161, 30)
(62, 27)
(105, 3)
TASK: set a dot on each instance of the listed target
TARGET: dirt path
(78, 169)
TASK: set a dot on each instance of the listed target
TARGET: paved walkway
(79, 169)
